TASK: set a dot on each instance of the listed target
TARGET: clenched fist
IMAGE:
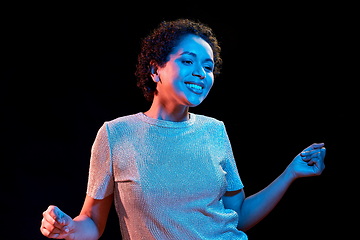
(56, 224)
(310, 162)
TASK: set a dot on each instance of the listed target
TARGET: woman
(172, 173)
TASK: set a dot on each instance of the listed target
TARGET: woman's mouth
(195, 87)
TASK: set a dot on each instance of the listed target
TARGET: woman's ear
(154, 71)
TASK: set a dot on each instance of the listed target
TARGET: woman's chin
(193, 102)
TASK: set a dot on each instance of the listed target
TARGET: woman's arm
(97, 211)
(90, 224)
(253, 209)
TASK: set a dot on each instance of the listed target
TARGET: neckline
(167, 124)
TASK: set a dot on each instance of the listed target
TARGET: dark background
(68, 69)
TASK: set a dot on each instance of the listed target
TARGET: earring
(156, 78)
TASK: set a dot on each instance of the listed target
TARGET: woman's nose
(199, 72)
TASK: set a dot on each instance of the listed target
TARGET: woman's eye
(209, 69)
(187, 62)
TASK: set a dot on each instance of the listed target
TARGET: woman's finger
(305, 153)
(44, 231)
(317, 145)
(314, 146)
(50, 227)
(322, 153)
(50, 219)
(47, 225)
(315, 159)
(311, 159)
(49, 230)
(318, 165)
(48, 234)
(306, 156)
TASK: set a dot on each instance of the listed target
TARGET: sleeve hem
(235, 187)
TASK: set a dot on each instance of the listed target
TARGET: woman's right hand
(56, 224)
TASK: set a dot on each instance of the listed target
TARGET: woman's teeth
(194, 86)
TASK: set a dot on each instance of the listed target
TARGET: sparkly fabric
(167, 177)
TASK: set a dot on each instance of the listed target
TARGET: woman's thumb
(322, 153)
(63, 218)
(66, 222)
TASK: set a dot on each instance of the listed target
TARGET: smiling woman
(171, 173)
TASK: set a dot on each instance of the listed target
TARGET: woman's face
(187, 76)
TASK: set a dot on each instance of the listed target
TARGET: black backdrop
(68, 70)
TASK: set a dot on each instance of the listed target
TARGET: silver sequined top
(167, 177)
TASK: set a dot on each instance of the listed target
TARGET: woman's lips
(195, 87)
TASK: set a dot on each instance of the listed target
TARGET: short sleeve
(101, 181)
(233, 180)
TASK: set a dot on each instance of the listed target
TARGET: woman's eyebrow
(189, 53)
(194, 55)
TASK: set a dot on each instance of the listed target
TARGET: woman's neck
(168, 112)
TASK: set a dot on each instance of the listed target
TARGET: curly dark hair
(156, 48)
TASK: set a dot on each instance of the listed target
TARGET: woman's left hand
(310, 162)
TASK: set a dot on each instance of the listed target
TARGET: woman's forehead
(195, 45)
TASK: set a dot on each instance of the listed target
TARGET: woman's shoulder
(123, 119)
(122, 122)
(205, 120)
